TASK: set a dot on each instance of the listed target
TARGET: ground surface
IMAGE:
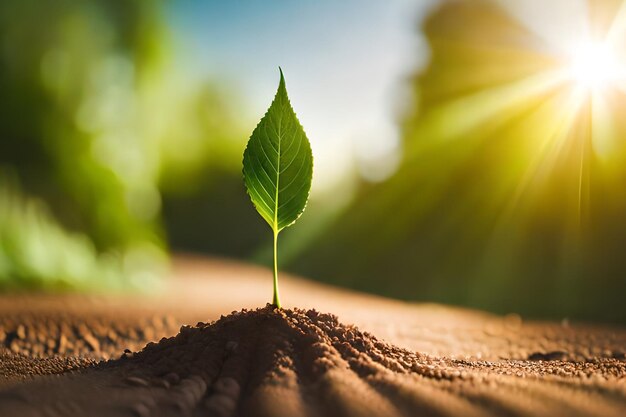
(412, 360)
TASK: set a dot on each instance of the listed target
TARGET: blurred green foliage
(99, 129)
(501, 202)
(36, 253)
(70, 77)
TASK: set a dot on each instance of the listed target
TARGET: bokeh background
(469, 152)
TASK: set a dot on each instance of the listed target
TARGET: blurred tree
(99, 128)
(70, 75)
(205, 207)
(502, 201)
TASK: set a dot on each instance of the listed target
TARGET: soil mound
(275, 362)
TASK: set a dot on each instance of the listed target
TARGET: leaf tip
(282, 77)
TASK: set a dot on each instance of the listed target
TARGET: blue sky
(344, 64)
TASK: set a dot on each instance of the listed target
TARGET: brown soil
(46, 334)
(295, 362)
(269, 362)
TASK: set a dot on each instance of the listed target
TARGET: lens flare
(594, 65)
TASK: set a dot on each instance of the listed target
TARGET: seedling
(278, 168)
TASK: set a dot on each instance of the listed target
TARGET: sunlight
(594, 65)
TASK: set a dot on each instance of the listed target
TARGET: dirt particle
(62, 344)
(15, 347)
(20, 332)
(162, 383)
(619, 355)
(136, 381)
(556, 355)
(140, 410)
(220, 405)
(172, 378)
(231, 346)
(227, 386)
(127, 354)
(92, 342)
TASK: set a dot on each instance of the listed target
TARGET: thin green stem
(276, 301)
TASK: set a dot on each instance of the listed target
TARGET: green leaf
(278, 168)
(278, 164)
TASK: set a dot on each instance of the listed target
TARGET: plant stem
(276, 300)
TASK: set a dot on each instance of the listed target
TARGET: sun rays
(522, 127)
(563, 110)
